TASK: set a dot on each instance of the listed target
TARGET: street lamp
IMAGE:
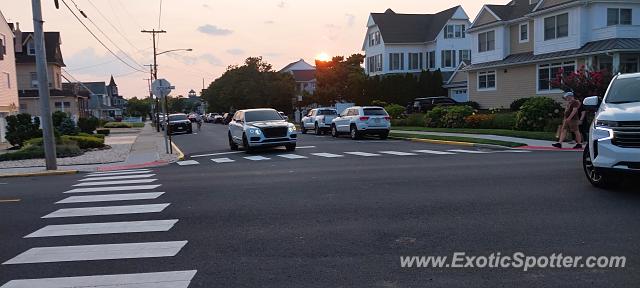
(174, 50)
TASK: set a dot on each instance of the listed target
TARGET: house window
(556, 26)
(431, 60)
(618, 16)
(547, 73)
(415, 61)
(524, 32)
(34, 79)
(396, 61)
(487, 80)
(374, 38)
(3, 46)
(605, 62)
(629, 63)
(62, 106)
(465, 55)
(454, 31)
(448, 58)
(8, 77)
(487, 41)
(31, 48)
(375, 63)
(460, 92)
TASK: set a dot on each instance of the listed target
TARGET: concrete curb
(43, 173)
(180, 154)
(447, 142)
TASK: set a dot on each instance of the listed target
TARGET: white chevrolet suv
(255, 128)
(318, 120)
(614, 138)
(358, 121)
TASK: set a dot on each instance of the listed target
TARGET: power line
(114, 26)
(104, 34)
(159, 22)
(98, 39)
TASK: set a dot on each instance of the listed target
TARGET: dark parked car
(179, 123)
(428, 103)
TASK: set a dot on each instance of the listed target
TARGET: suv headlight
(602, 130)
(292, 128)
(255, 131)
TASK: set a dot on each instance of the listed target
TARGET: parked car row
(356, 121)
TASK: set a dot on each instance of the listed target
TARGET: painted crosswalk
(110, 197)
(363, 154)
(292, 156)
(434, 152)
(223, 160)
(256, 158)
(468, 151)
(171, 279)
(98, 252)
(327, 155)
(107, 210)
(398, 153)
(128, 185)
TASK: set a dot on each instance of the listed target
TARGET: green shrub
(57, 118)
(88, 125)
(86, 142)
(394, 110)
(504, 121)
(379, 103)
(91, 135)
(21, 128)
(118, 125)
(67, 127)
(448, 117)
(517, 104)
(472, 104)
(37, 152)
(481, 121)
(416, 119)
(536, 113)
(104, 132)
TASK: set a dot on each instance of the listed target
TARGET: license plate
(179, 128)
(377, 120)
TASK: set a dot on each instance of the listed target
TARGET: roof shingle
(411, 28)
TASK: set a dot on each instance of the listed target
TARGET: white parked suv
(358, 121)
(318, 120)
(614, 139)
(255, 128)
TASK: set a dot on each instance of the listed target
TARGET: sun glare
(323, 57)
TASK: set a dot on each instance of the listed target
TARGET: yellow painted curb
(180, 154)
(43, 173)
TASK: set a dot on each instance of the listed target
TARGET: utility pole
(157, 112)
(43, 87)
(154, 75)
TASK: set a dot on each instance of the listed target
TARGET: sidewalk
(529, 142)
(134, 148)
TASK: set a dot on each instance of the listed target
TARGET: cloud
(192, 60)
(272, 55)
(97, 66)
(235, 51)
(214, 30)
(211, 59)
(351, 19)
(282, 4)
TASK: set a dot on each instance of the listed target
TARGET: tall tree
(340, 80)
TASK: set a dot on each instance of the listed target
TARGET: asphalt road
(345, 221)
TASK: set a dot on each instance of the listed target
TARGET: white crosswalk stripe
(398, 153)
(292, 156)
(188, 163)
(134, 171)
(116, 182)
(171, 279)
(98, 252)
(256, 158)
(327, 155)
(107, 210)
(468, 151)
(222, 160)
(115, 188)
(363, 154)
(104, 228)
(110, 197)
(108, 178)
(434, 152)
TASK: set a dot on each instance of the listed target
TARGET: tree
(253, 85)
(139, 107)
(340, 80)
(21, 128)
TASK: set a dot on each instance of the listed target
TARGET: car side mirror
(591, 103)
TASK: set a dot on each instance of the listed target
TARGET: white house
(410, 43)
(304, 75)
(520, 47)
(9, 103)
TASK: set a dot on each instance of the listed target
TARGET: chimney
(17, 43)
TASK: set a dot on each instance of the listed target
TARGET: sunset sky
(221, 33)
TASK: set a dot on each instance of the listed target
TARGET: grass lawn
(550, 136)
(459, 139)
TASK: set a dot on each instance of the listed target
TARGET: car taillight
(387, 118)
(364, 118)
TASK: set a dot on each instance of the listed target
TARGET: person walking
(571, 121)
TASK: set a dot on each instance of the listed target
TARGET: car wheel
(190, 131)
(245, 144)
(355, 135)
(232, 144)
(595, 177)
(334, 131)
(290, 147)
(318, 131)
(302, 129)
(384, 135)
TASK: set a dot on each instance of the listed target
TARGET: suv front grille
(627, 134)
(275, 132)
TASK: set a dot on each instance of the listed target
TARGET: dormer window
(374, 38)
(618, 16)
(31, 48)
(454, 31)
(487, 41)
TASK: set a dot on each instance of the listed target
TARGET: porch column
(616, 62)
